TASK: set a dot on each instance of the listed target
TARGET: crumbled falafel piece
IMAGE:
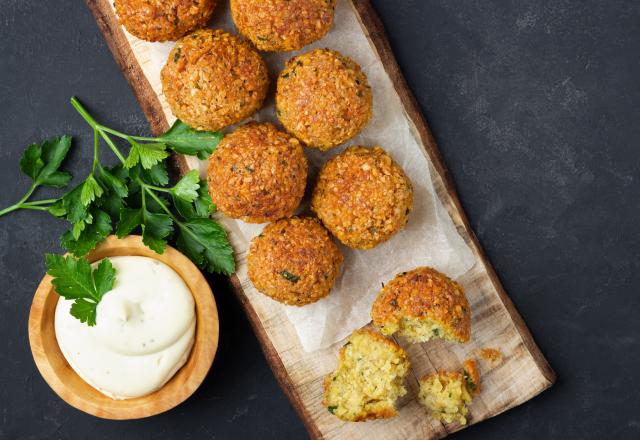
(283, 25)
(423, 304)
(163, 20)
(363, 197)
(294, 261)
(471, 376)
(213, 79)
(368, 380)
(323, 98)
(257, 174)
(446, 395)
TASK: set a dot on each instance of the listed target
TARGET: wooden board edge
(377, 34)
(274, 361)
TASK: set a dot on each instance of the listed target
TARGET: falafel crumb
(447, 395)
(491, 355)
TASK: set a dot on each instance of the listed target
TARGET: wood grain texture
(73, 390)
(524, 371)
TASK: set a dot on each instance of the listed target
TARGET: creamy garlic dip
(144, 332)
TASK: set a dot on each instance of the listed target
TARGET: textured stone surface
(535, 106)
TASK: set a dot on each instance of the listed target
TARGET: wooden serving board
(523, 373)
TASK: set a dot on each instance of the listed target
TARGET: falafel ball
(283, 25)
(368, 380)
(213, 79)
(423, 304)
(163, 20)
(323, 98)
(294, 261)
(257, 173)
(362, 196)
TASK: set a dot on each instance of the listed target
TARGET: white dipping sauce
(144, 332)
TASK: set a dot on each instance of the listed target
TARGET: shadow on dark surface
(535, 108)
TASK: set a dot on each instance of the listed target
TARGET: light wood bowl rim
(66, 383)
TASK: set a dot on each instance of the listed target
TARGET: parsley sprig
(134, 195)
(74, 279)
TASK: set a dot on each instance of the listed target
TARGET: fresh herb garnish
(332, 409)
(289, 276)
(134, 195)
(74, 279)
(41, 163)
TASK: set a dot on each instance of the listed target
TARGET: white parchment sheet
(430, 238)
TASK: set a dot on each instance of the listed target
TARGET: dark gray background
(535, 108)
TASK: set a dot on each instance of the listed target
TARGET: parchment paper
(430, 237)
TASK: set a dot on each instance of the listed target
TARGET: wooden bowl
(72, 389)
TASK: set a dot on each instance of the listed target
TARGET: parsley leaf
(157, 174)
(92, 234)
(112, 183)
(187, 188)
(115, 181)
(74, 279)
(155, 230)
(155, 227)
(147, 155)
(41, 162)
(205, 242)
(184, 139)
(202, 206)
(70, 207)
(91, 190)
(289, 276)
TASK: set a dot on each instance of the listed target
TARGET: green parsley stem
(20, 203)
(83, 112)
(96, 141)
(181, 225)
(41, 202)
(97, 127)
(149, 189)
(157, 188)
(125, 136)
(34, 207)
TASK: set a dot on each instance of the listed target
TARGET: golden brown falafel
(283, 25)
(323, 98)
(446, 395)
(213, 79)
(257, 174)
(423, 304)
(163, 20)
(363, 197)
(368, 380)
(294, 261)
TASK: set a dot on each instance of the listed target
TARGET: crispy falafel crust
(213, 79)
(257, 174)
(368, 380)
(294, 261)
(163, 20)
(323, 98)
(283, 25)
(423, 295)
(363, 197)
